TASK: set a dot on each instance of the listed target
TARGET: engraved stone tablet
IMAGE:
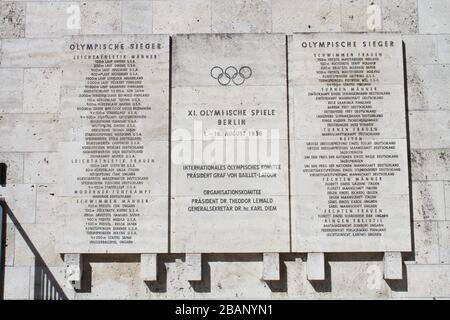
(348, 143)
(113, 161)
(229, 144)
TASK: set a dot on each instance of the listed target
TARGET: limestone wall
(30, 76)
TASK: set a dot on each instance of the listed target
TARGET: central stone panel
(229, 185)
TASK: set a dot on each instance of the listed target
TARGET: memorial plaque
(230, 189)
(114, 158)
(349, 169)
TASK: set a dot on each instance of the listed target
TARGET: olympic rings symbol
(231, 75)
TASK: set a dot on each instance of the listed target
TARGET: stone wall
(30, 76)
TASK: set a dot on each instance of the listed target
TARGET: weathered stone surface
(40, 167)
(361, 15)
(447, 199)
(17, 283)
(101, 17)
(48, 283)
(443, 48)
(112, 280)
(393, 266)
(230, 275)
(337, 206)
(39, 242)
(11, 90)
(306, 16)
(137, 17)
(444, 240)
(23, 53)
(41, 90)
(9, 244)
(28, 132)
(14, 167)
(426, 242)
(426, 281)
(427, 87)
(363, 279)
(241, 195)
(430, 164)
(120, 206)
(431, 129)
(434, 16)
(428, 200)
(241, 16)
(421, 49)
(12, 20)
(46, 203)
(21, 200)
(400, 16)
(180, 16)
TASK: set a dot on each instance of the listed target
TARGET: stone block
(46, 203)
(101, 17)
(393, 266)
(430, 164)
(427, 87)
(430, 129)
(41, 90)
(428, 200)
(193, 266)
(29, 132)
(52, 19)
(447, 199)
(14, 167)
(11, 90)
(400, 16)
(426, 242)
(315, 266)
(361, 15)
(40, 167)
(444, 242)
(180, 16)
(49, 283)
(433, 16)
(9, 247)
(306, 16)
(26, 53)
(137, 17)
(38, 241)
(421, 49)
(271, 266)
(12, 19)
(17, 283)
(241, 16)
(149, 267)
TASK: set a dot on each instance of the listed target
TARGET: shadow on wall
(45, 285)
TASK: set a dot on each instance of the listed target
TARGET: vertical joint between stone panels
(315, 266)
(271, 267)
(74, 269)
(149, 267)
(393, 266)
(193, 265)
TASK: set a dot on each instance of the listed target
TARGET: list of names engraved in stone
(350, 139)
(113, 103)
